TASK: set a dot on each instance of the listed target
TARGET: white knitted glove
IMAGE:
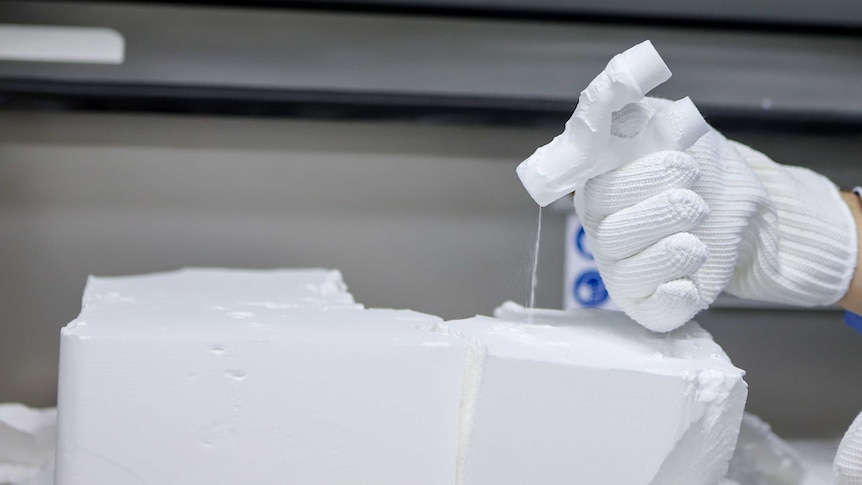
(671, 230)
(847, 469)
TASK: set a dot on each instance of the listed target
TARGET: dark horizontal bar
(535, 14)
(46, 95)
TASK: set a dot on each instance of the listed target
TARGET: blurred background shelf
(832, 17)
(326, 60)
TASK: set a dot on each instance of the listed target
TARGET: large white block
(202, 393)
(225, 377)
(589, 396)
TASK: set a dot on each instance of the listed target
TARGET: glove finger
(673, 257)
(672, 305)
(637, 181)
(632, 230)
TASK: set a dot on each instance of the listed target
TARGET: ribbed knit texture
(672, 230)
(847, 468)
(802, 250)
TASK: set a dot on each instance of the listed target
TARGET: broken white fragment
(26, 434)
(762, 458)
(589, 396)
(587, 148)
(27, 438)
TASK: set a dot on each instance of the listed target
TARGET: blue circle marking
(581, 243)
(589, 289)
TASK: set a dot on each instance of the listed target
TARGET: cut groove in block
(589, 396)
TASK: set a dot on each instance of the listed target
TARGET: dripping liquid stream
(531, 303)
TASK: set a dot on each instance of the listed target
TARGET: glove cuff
(806, 246)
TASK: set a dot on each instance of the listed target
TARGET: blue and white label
(583, 286)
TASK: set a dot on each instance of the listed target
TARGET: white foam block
(224, 377)
(589, 396)
(222, 380)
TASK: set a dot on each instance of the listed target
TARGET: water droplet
(217, 349)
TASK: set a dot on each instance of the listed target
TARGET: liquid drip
(531, 303)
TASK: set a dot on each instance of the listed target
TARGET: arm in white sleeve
(675, 213)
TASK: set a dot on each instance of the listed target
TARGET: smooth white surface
(197, 288)
(191, 392)
(43, 43)
(589, 396)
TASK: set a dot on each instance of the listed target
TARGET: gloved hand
(671, 230)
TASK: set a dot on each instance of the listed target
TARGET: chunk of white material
(763, 458)
(587, 148)
(228, 384)
(589, 396)
(27, 439)
(26, 434)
